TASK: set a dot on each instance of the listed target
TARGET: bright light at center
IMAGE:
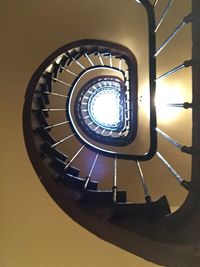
(105, 108)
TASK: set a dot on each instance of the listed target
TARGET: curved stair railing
(187, 63)
(89, 56)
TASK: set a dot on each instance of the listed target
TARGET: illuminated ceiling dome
(105, 105)
(103, 112)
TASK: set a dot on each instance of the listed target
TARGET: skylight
(104, 107)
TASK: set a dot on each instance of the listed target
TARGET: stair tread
(77, 182)
(41, 118)
(41, 102)
(157, 208)
(104, 191)
(43, 90)
(63, 62)
(55, 69)
(103, 195)
(72, 171)
(48, 77)
(45, 136)
(52, 151)
(58, 163)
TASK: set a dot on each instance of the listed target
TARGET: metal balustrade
(85, 58)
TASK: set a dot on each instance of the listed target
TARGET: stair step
(61, 165)
(48, 78)
(52, 152)
(74, 54)
(43, 89)
(55, 69)
(72, 171)
(78, 54)
(105, 52)
(41, 103)
(58, 164)
(63, 62)
(41, 118)
(152, 210)
(45, 136)
(93, 50)
(103, 196)
(76, 182)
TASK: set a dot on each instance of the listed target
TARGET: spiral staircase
(70, 148)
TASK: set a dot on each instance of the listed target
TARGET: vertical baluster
(55, 125)
(78, 152)
(59, 81)
(89, 59)
(111, 63)
(78, 63)
(184, 183)
(56, 94)
(185, 64)
(144, 186)
(91, 171)
(53, 109)
(185, 105)
(61, 141)
(100, 59)
(115, 181)
(167, 137)
(164, 14)
(155, 3)
(69, 71)
(120, 64)
(180, 26)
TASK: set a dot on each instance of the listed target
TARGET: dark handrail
(152, 74)
(196, 95)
